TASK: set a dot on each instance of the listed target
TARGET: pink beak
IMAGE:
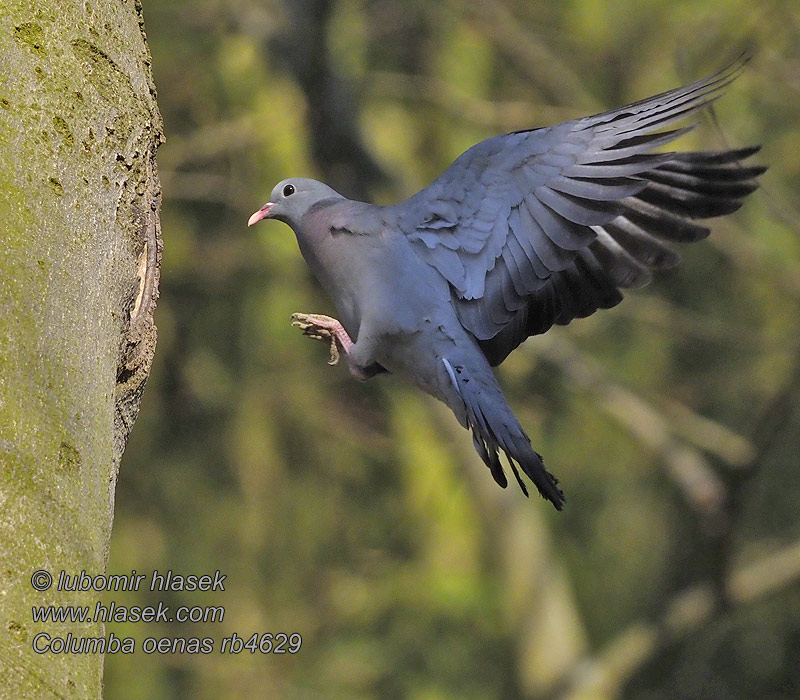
(262, 213)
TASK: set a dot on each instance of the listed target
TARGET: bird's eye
(288, 190)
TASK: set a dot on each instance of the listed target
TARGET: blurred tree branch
(748, 255)
(498, 115)
(337, 143)
(532, 57)
(603, 675)
(197, 186)
(691, 471)
(539, 602)
(657, 311)
(209, 141)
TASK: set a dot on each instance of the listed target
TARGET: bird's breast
(375, 280)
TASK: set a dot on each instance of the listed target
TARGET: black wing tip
(726, 156)
(747, 151)
(519, 478)
(737, 64)
(730, 70)
(557, 498)
(554, 494)
(545, 482)
(740, 60)
(551, 492)
(681, 101)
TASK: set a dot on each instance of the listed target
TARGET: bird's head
(291, 199)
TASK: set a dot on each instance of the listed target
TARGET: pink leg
(320, 327)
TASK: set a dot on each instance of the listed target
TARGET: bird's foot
(320, 327)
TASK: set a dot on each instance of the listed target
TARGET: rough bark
(80, 250)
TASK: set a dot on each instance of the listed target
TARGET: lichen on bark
(79, 263)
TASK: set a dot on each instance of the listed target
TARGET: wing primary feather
(563, 232)
(606, 189)
(501, 277)
(625, 271)
(584, 212)
(528, 244)
(617, 149)
(666, 115)
(686, 203)
(647, 141)
(663, 223)
(719, 80)
(618, 167)
(688, 181)
(717, 157)
(641, 245)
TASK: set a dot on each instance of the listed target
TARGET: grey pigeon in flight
(522, 231)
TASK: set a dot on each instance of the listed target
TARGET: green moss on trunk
(79, 262)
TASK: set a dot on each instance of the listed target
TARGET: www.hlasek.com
(45, 643)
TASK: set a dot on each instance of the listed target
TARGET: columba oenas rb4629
(522, 231)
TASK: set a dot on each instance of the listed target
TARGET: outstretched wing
(539, 227)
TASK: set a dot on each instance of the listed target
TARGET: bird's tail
(494, 427)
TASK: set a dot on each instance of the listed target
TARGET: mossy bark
(80, 250)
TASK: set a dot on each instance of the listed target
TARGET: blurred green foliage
(357, 514)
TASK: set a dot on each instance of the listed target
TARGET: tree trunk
(79, 261)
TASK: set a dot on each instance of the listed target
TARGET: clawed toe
(310, 325)
(334, 350)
